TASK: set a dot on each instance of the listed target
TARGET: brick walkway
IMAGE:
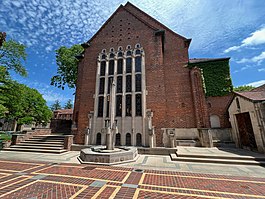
(44, 180)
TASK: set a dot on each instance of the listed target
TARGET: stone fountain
(109, 154)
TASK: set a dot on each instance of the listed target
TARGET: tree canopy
(24, 104)
(67, 66)
(243, 88)
(68, 104)
(12, 54)
(56, 105)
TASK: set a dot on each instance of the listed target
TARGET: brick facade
(174, 92)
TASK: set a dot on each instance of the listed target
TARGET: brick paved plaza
(49, 180)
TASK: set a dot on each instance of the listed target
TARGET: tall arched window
(128, 139)
(128, 105)
(118, 139)
(120, 66)
(98, 141)
(138, 139)
(111, 67)
(102, 68)
(138, 64)
(138, 104)
(100, 106)
(129, 65)
(119, 105)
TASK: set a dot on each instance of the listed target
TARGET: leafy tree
(243, 88)
(12, 54)
(68, 104)
(67, 66)
(56, 105)
(24, 105)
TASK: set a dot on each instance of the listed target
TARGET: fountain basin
(99, 155)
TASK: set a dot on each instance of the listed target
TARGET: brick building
(155, 87)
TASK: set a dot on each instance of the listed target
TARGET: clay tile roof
(257, 94)
(200, 60)
(65, 111)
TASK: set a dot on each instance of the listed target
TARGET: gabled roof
(139, 18)
(203, 60)
(255, 95)
(64, 111)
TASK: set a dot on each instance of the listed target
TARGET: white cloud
(257, 83)
(261, 69)
(255, 38)
(257, 59)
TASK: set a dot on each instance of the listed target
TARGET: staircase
(242, 159)
(41, 144)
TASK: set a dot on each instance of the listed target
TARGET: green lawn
(4, 136)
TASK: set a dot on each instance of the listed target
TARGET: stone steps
(237, 160)
(41, 144)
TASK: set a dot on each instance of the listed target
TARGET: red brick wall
(219, 106)
(167, 80)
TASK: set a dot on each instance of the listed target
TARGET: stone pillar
(68, 141)
(171, 135)
(151, 129)
(206, 137)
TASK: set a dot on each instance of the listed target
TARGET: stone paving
(34, 180)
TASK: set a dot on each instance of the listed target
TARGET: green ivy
(216, 76)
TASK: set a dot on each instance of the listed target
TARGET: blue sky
(227, 28)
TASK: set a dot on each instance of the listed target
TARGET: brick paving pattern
(43, 180)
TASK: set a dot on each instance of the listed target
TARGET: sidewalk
(156, 162)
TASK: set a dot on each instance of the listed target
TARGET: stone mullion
(144, 93)
(133, 102)
(96, 104)
(105, 92)
(123, 102)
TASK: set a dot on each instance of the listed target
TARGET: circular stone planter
(99, 155)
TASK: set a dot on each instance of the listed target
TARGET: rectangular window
(118, 105)
(111, 67)
(107, 111)
(138, 64)
(128, 83)
(120, 66)
(119, 84)
(102, 68)
(100, 106)
(138, 105)
(128, 105)
(128, 65)
(138, 83)
(101, 85)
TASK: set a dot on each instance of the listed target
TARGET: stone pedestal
(205, 137)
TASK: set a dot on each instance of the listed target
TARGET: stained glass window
(120, 54)
(138, 64)
(128, 83)
(100, 106)
(128, 65)
(138, 104)
(101, 85)
(120, 66)
(129, 53)
(118, 105)
(111, 67)
(119, 84)
(103, 56)
(128, 105)
(102, 68)
(138, 52)
(138, 83)
(111, 56)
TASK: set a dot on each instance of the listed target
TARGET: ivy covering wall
(216, 75)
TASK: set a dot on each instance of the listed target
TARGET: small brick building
(155, 87)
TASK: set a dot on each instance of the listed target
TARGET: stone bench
(186, 142)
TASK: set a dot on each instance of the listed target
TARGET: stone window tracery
(127, 73)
